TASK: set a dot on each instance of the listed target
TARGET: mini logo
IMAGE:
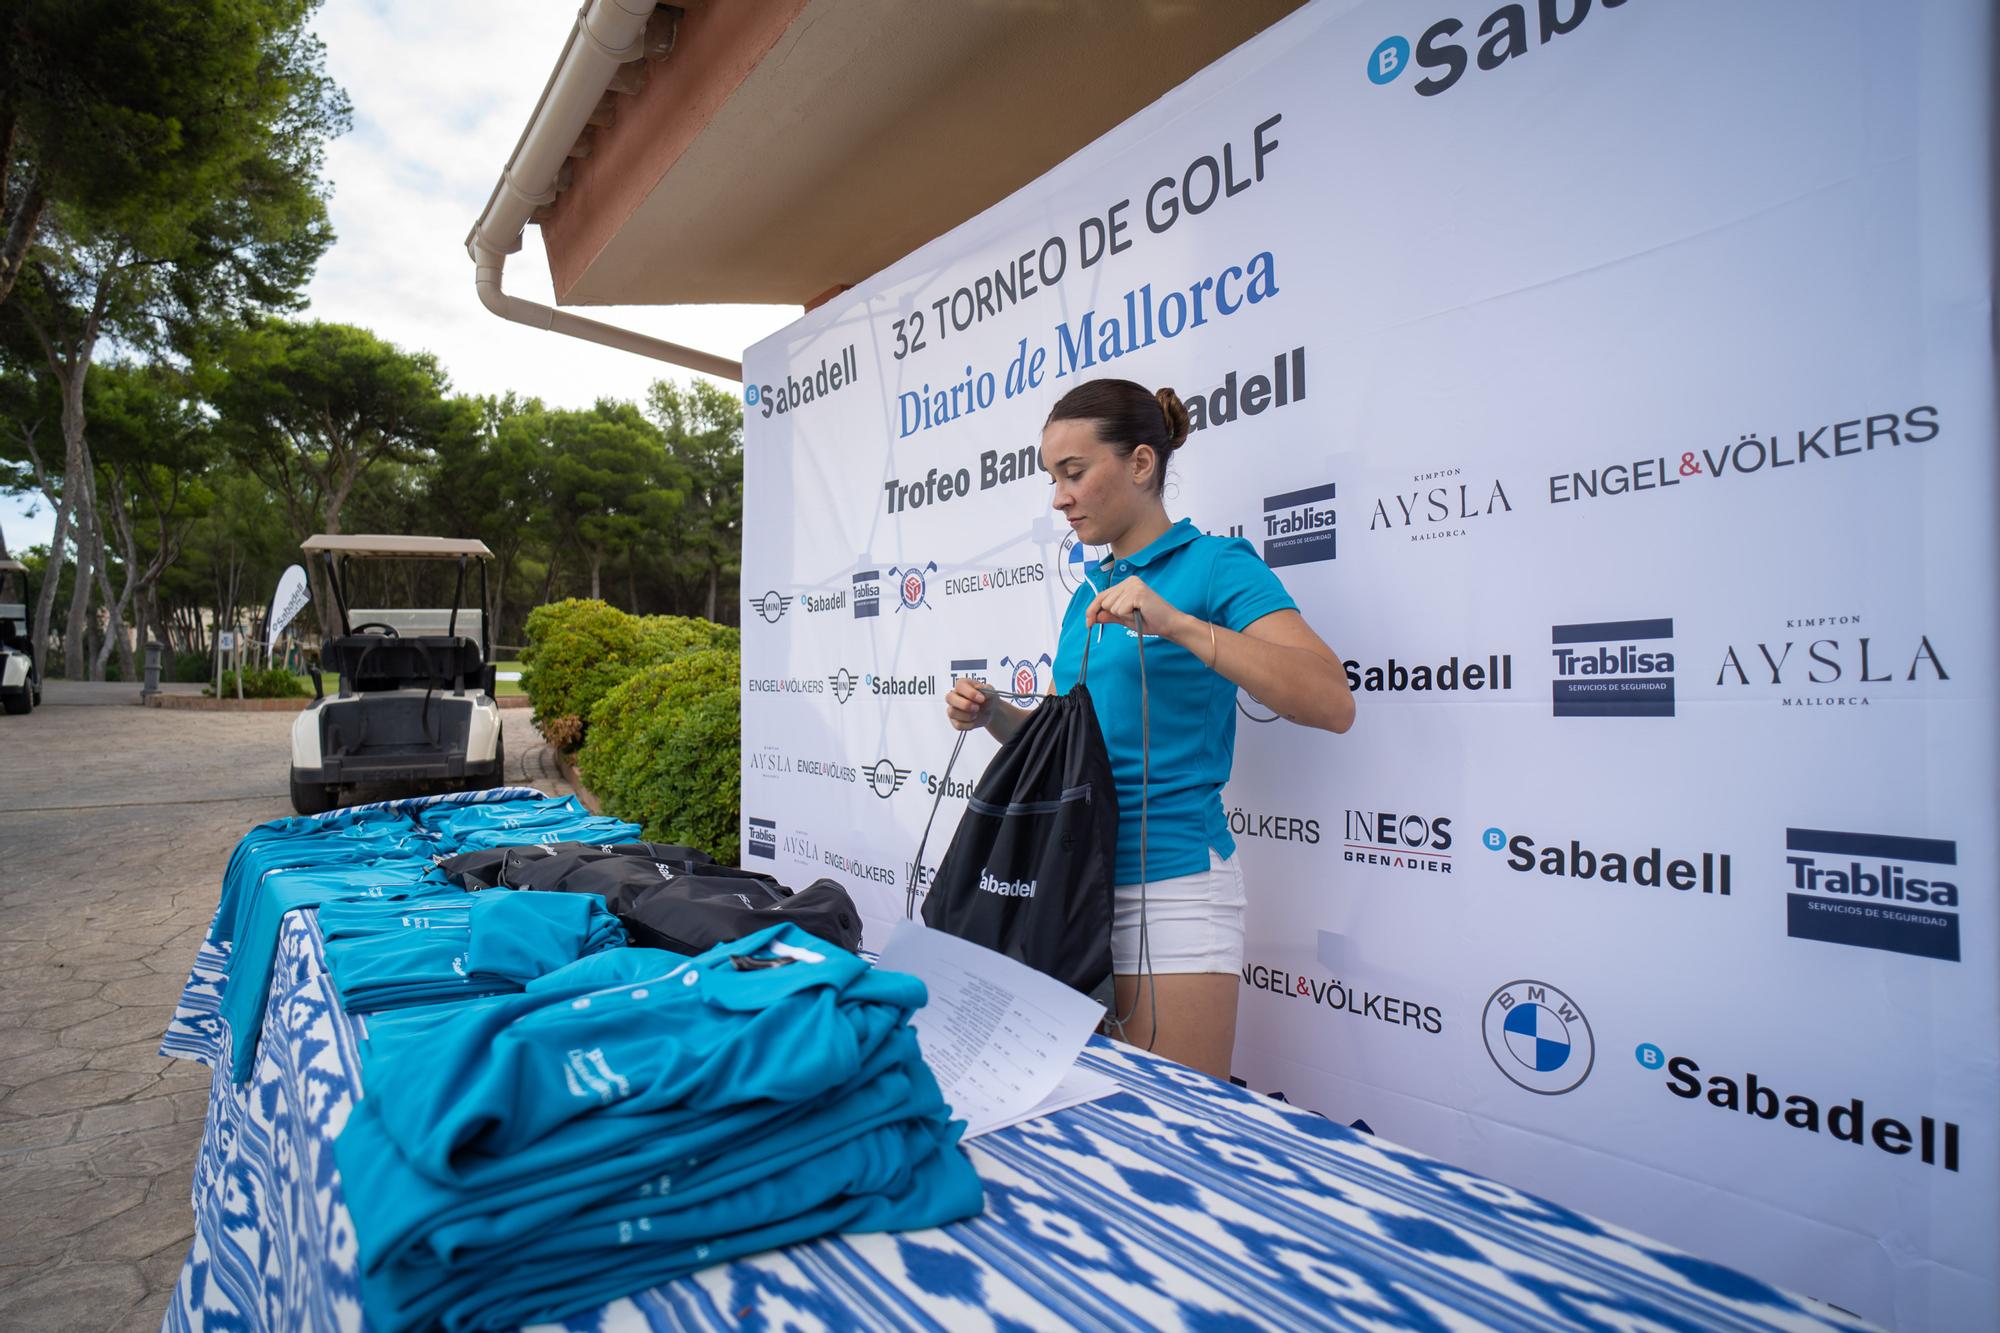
(1601, 669)
(867, 594)
(1298, 526)
(885, 779)
(1873, 891)
(843, 682)
(771, 606)
(763, 838)
(1538, 1037)
(1025, 677)
(911, 589)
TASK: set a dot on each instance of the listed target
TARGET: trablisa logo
(1505, 36)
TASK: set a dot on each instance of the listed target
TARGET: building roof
(781, 150)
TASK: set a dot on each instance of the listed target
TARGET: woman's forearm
(1297, 683)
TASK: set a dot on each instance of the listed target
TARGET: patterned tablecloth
(1179, 1202)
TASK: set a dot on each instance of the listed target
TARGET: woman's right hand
(968, 706)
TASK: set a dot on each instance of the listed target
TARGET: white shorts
(1194, 923)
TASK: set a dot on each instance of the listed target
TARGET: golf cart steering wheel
(380, 626)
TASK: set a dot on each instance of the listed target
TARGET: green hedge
(275, 683)
(662, 750)
(580, 651)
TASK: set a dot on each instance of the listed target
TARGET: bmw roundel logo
(1538, 1037)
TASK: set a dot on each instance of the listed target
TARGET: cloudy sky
(441, 91)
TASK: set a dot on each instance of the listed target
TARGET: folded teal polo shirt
(1217, 579)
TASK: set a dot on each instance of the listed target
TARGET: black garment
(692, 913)
(668, 896)
(548, 866)
(1029, 871)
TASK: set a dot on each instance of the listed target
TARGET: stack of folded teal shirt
(635, 1116)
(456, 945)
(384, 854)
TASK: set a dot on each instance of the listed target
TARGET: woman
(1215, 618)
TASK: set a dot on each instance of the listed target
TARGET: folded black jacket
(668, 896)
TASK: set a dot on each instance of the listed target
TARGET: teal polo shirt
(1217, 579)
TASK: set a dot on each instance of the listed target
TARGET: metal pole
(152, 685)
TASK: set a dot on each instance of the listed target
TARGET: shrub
(579, 651)
(662, 750)
(272, 683)
(191, 669)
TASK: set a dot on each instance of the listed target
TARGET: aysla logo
(1830, 661)
(885, 779)
(1438, 506)
(1751, 454)
(1935, 1143)
(843, 682)
(771, 607)
(763, 840)
(1400, 842)
(1505, 31)
(801, 848)
(1873, 891)
(911, 590)
(1648, 869)
(767, 761)
(1538, 1037)
(1614, 668)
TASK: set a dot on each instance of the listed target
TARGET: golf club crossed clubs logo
(912, 587)
(1025, 677)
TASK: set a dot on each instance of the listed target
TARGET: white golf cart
(415, 703)
(20, 683)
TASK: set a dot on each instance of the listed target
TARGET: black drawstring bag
(549, 865)
(712, 905)
(1029, 872)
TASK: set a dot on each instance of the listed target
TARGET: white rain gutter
(607, 34)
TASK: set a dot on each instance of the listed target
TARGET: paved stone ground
(115, 824)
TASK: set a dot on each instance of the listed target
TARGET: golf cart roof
(399, 548)
(12, 567)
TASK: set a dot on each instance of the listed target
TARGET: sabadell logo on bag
(1006, 888)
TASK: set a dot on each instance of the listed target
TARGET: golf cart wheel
(313, 798)
(19, 703)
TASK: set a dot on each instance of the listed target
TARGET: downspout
(607, 34)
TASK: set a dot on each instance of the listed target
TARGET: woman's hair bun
(1176, 414)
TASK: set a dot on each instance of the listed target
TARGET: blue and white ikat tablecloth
(1179, 1202)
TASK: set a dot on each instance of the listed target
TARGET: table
(1179, 1202)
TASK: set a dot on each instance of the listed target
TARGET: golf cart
(415, 703)
(20, 683)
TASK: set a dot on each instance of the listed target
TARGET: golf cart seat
(370, 662)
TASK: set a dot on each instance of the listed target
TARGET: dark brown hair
(1128, 415)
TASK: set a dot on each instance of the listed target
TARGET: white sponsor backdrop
(1650, 356)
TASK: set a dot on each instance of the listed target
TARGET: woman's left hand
(1128, 602)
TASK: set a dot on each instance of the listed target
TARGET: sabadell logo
(1450, 47)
